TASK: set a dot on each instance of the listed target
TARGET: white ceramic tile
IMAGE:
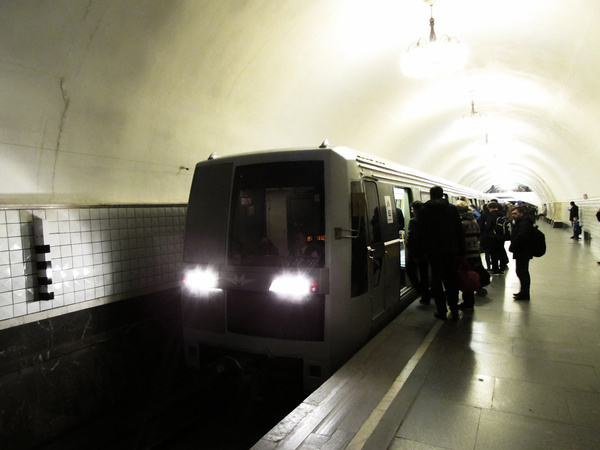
(5, 284)
(64, 239)
(63, 214)
(51, 215)
(3, 231)
(6, 298)
(13, 230)
(88, 259)
(6, 312)
(5, 271)
(16, 256)
(74, 214)
(67, 287)
(33, 307)
(64, 226)
(69, 298)
(20, 309)
(17, 269)
(18, 283)
(13, 216)
(84, 214)
(19, 296)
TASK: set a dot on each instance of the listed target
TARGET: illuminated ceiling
(104, 101)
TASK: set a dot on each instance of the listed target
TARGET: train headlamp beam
(200, 280)
(293, 286)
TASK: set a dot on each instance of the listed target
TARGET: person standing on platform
(573, 213)
(472, 232)
(520, 246)
(417, 266)
(441, 236)
(494, 235)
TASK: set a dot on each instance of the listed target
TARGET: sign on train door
(375, 249)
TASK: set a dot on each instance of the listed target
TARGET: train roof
(371, 165)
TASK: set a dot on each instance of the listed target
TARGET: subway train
(298, 253)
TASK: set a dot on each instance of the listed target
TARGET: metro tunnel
(109, 106)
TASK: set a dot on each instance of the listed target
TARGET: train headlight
(200, 280)
(294, 286)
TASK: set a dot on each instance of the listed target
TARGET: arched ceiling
(103, 101)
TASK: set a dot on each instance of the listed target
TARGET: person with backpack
(494, 234)
(520, 246)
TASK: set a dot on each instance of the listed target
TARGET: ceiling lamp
(475, 119)
(429, 59)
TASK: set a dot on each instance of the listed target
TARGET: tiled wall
(98, 255)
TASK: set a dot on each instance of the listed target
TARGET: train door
(375, 249)
(403, 199)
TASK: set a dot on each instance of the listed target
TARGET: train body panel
(297, 253)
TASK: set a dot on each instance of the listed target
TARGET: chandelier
(475, 119)
(429, 59)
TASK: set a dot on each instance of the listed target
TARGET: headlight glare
(199, 280)
(295, 286)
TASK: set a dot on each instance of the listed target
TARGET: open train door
(375, 250)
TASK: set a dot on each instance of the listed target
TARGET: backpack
(500, 229)
(538, 242)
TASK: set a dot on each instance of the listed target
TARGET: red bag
(468, 278)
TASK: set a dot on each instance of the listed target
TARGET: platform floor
(511, 375)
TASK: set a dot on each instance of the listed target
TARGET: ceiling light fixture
(475, 119)
(429, 59)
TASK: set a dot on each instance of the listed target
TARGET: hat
(462, 206)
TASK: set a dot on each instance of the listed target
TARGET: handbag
(468, 278)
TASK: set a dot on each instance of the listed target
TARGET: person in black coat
(520, 246)
(573, 216)
(441, 239)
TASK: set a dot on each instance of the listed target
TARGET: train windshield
(277, 215)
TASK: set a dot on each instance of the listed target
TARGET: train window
(277, 215)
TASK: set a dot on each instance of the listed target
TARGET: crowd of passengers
(443, 238)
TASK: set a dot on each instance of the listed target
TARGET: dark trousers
(498, 256)
(444, 277)
(418, 274)
(522, 269)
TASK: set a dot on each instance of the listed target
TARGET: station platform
(510, 375)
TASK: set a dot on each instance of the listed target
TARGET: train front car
(263, 272)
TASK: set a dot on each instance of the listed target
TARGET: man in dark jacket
(441, 239)
(573, 216)
(520, 239)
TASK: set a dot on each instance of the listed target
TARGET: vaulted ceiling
(103, 101)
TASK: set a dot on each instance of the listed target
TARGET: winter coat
(520, 238)
(471, 228)
(440, 229)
